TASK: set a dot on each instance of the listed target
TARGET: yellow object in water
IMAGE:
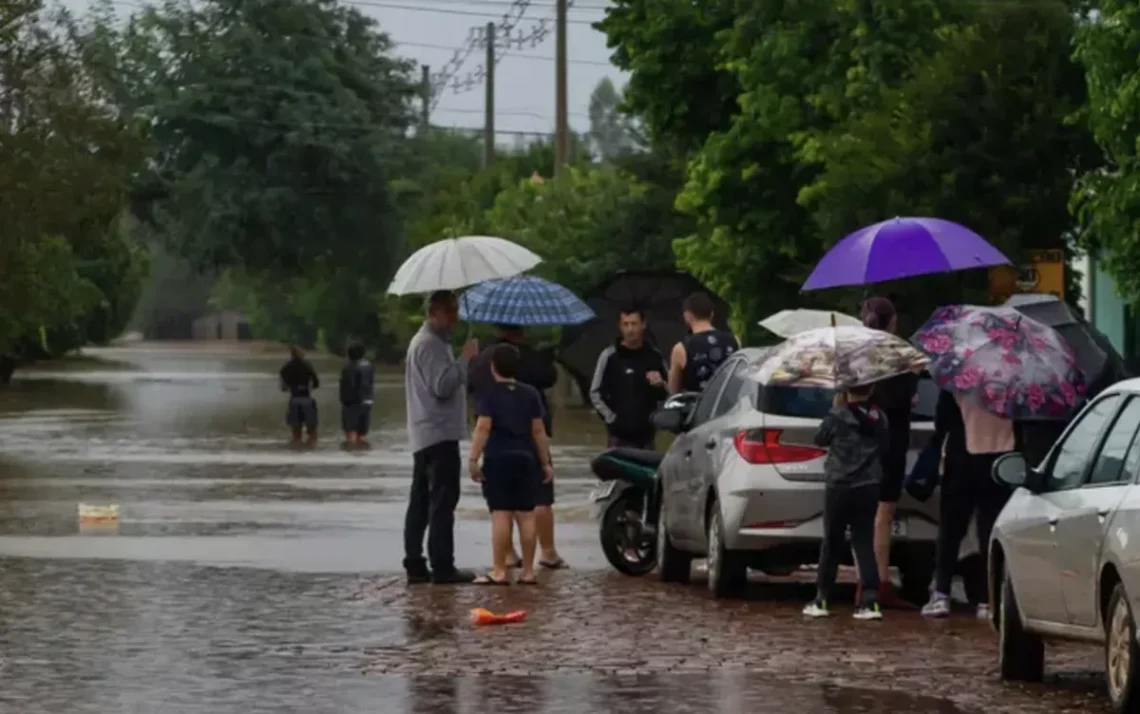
(98, 514)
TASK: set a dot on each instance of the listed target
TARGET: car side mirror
(674, 415)
(1011, 470)
(670, 420)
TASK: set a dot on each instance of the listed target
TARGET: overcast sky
(430, 32)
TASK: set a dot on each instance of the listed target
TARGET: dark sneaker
(419, 577)
(453, 577)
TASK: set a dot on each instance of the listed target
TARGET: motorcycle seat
(641, 457)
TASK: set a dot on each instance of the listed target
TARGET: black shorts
(301, 412)
(894, 473)
(512, 481)
(356, 418)
(545, 493)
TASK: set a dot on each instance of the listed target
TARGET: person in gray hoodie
(855, 433)
(435, 385)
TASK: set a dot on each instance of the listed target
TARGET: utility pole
(489, 104)
(561, 125)
(425, 90)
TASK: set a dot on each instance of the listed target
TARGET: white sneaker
(868, 612)
(816, 609)
(938, 607)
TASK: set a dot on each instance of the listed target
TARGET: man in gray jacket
(436, 387)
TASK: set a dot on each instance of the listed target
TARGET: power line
(445, 11)
(492, 3)
(508, 112)
(430, 46)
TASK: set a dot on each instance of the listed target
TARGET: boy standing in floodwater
(855, 434)
(299, 379)
(357, 380)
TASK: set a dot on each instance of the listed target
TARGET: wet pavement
(247, 575)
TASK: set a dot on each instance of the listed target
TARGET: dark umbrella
(1097, 358)
(658, 293)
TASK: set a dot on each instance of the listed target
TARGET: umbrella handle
(835, 354)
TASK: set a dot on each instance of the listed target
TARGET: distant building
(228, 325)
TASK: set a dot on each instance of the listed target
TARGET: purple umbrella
(902, 248)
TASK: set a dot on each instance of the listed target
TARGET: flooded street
(250, 576)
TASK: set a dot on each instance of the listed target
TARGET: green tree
(679, 87)
(587, 224)
(1107, 198)
(611, 133)
(278, 125)
(850, 113)
(69, 269)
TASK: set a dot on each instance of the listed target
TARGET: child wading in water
(510, 436)
(855, 433)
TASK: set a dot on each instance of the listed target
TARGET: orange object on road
(479, 616)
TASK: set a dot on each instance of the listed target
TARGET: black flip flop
(488, 579)
(559, 564)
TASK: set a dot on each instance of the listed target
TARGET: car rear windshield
(814, 402)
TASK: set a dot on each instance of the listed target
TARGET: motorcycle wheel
(621, 525)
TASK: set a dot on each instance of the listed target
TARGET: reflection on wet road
(249, 576)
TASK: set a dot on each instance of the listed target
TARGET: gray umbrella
(1096, 356)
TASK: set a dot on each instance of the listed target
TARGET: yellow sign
(1045, 273)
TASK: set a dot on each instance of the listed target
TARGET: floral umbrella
(1009, 363)
(844, 356)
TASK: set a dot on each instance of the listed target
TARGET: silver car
(743, 483)
(1061, 561)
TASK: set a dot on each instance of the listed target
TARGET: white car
(1062, 562)
(743, 484)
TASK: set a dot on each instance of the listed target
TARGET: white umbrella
(786, 323)
(456, 263)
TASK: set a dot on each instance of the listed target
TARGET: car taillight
(762, 446)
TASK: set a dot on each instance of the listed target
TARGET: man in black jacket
(536, 368)
(629, 384)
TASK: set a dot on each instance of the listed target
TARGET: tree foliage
(805, 121)
(69, 269)
(1107, 199)
(277, 127)
(611, 134)
(587, 224)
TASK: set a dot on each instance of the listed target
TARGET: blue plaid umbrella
(523, 300)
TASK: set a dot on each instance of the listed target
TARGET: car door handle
(710, 444)
(1053, 523)
(689, 454)
(1102, 515)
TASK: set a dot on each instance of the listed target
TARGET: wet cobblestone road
(150, 637)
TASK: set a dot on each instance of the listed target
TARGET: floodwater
(249, 575)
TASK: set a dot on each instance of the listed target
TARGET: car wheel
(1021, 654)
(728, 573)
(1121, 653)
(673, 565)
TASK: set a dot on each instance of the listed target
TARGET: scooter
(626, 504)
(628, 501)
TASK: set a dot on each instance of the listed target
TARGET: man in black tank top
(696, 358)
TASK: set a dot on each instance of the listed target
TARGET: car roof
(1131, 386)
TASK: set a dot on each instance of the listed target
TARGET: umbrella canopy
(455, 263)
(902, 248)
(658, 293)
(786, 323)
(1095, 353)
(523, 300)
(846, 356)
(1007, 362)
